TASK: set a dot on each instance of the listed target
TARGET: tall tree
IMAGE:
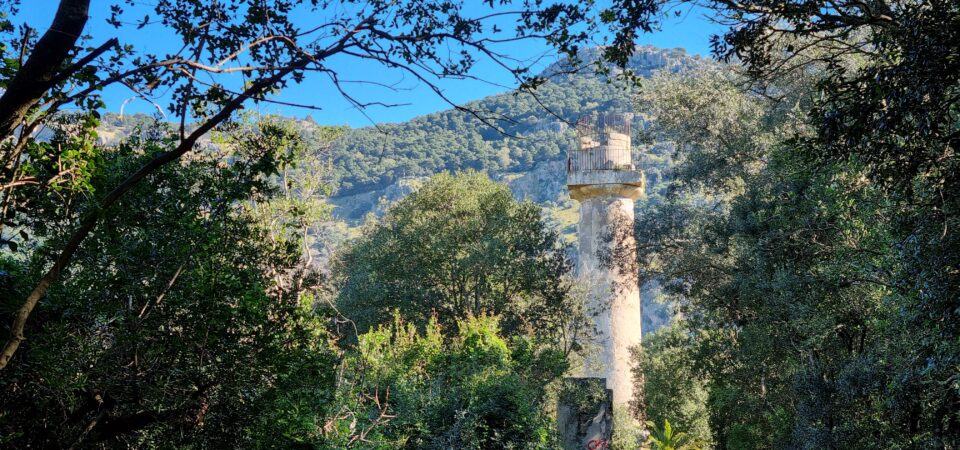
(184, 322)
(459, 246)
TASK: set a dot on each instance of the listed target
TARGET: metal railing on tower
(604, 144)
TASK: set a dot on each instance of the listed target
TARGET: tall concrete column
(602, 177)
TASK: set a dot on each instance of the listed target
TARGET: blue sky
(690, 31)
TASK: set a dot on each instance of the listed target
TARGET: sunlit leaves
(460, 245)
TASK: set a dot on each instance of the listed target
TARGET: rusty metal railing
(604, 144)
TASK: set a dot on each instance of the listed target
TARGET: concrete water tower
(603, 176)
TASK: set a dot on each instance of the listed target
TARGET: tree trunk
(40, 72)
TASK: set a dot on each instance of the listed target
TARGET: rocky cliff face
(545, 184)
(355, 208)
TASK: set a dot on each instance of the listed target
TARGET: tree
(895, 114)
(799, 266)
(265, 44)
(673, 387)
(471, 389)
(183, 323)
(459, 246)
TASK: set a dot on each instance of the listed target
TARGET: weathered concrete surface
(607, 266)
(598, 183)
(585, 422)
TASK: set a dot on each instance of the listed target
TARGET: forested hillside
(535, 131)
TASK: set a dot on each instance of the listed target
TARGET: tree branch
(42, 69)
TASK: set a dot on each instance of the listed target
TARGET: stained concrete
(607, 256)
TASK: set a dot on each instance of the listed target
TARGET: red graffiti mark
(598, 444)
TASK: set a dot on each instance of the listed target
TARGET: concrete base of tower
(585, 414)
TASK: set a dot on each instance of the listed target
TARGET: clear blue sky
(690, 31)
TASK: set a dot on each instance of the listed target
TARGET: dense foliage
(673, 388)
(474, 390)
(459, 246)
(809, 235)
(182, 324)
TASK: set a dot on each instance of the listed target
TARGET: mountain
(535, 129)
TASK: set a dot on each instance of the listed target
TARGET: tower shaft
(602, 177)
(607, 268)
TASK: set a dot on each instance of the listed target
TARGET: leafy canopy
(461, 245)
(182, 323)
(474, 389)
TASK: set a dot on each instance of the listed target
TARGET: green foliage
(627, 433)
(673, 388)
(747, 282)
(303, 182)
(806, 252)
(472, 390)
(177, 326)
(582, 396)
(667, 438)
(459, 246)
